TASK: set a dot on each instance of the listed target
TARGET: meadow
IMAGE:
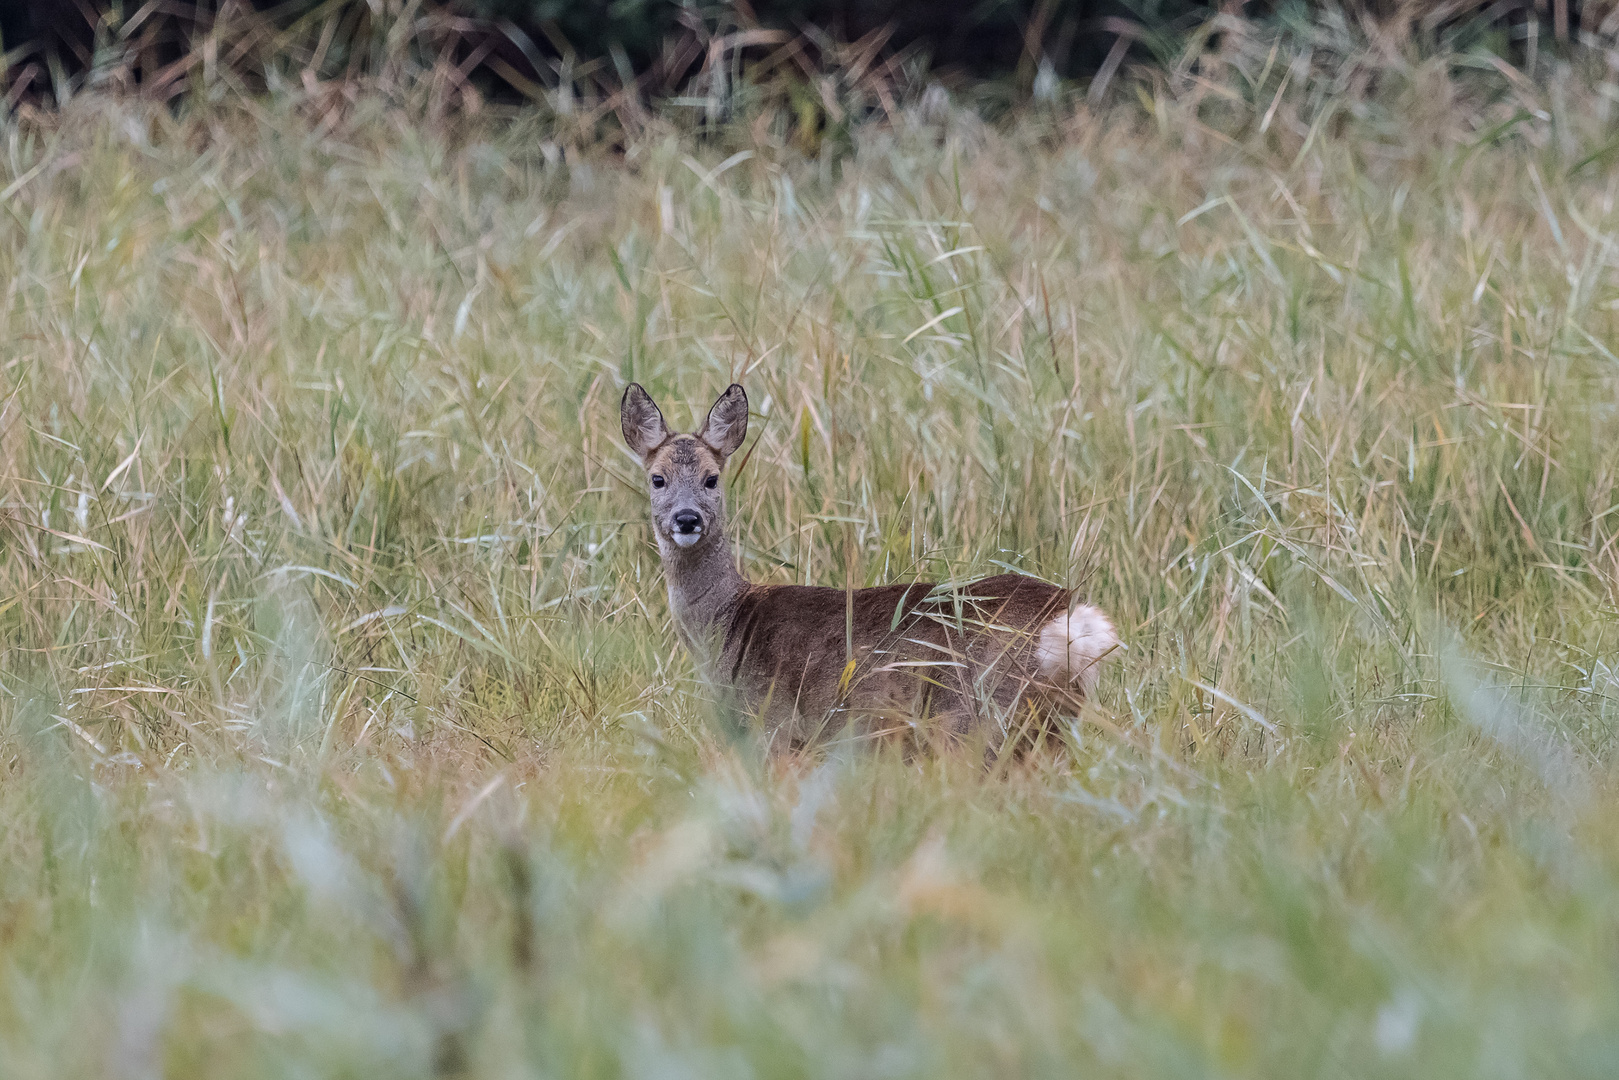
(343, 731)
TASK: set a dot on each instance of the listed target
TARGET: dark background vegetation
(652, 48)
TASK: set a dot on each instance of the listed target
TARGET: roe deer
(993, 658)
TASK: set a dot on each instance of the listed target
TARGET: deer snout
(688, 527)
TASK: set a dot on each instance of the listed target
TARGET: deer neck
(704, 585)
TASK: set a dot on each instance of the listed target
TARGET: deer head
(683, 471)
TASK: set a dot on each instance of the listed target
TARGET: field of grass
(343, 731)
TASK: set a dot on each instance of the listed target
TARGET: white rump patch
(1072, 647)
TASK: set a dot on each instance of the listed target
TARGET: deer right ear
(643, 424)
(727, 423)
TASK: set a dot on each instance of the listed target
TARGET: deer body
(990, 657)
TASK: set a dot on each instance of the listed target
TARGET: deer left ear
(644, 429)
(727, 423)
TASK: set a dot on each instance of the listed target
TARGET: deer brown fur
(991, 658)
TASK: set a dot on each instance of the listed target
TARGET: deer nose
(688, 521)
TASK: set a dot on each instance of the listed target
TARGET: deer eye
(711, 482)
(657, 481)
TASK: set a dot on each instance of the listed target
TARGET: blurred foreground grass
(342, 730)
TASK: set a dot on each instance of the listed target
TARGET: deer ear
(727, 423)
(643, 424)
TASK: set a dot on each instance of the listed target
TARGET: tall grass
(343, 732)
